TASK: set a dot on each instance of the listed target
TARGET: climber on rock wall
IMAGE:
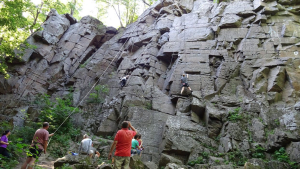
(122, 144)
(123, 80)
(184, 83)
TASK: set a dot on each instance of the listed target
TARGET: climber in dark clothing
(184, 83)
(123, 80)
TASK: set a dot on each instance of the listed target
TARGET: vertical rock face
(242, 58)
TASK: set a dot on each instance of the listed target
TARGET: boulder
(293, 150)
(72, 160)
(255, 164)
(166, 159)
(230, 21)
(135, 162)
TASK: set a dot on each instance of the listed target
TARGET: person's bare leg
(31, 163)
(182, 90)
(28, 159)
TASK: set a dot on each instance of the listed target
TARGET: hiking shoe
(191, 91)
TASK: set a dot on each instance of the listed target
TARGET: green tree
(13, 29)
(126, 10)
(20, 18)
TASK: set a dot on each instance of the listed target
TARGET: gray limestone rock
(242, 53)
(165, 159)
(293, 151)
(230, 21)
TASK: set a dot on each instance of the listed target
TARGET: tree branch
(36, 17)
(146, 3)
(118, 15)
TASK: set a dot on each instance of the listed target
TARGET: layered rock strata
(242, 58)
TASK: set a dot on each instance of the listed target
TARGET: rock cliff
(243, 62)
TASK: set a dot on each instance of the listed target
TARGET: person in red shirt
(122, 144)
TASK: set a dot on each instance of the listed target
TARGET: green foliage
(269, 132)
(103, 160)
(209, 147)
(13, 30)
(18, 145)
(102, 141)
(110, 137)
(237, 158)
(250, 136)
(126, 10)
(280, 155)
(234, 116)
(277, 122)
(148, 106)
(218, 137)
(98, 96)
(56, 112)
(259, 152)
(66, 166)
(19, 19)
(202, 159)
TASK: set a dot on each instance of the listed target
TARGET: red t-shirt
(124, 138)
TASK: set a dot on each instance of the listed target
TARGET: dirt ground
(43, 162)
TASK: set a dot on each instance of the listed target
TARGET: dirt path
(44, 162)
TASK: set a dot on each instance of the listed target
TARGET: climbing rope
(91, 88)
(121, 50)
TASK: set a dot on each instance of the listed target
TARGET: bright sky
(89, 7)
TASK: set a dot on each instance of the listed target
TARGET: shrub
(280, 155)
(237, 158)
(235, 115)
(200, 160)
(17, 147)
(57, 114)
(259, 152)
(148, 106)
(98, 96)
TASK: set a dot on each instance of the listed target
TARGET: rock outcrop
(243, 61)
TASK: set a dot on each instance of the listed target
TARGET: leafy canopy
(20, 18)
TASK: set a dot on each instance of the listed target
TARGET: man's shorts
(34, 152)
(91, 152)
(185, 85)
(121, 162)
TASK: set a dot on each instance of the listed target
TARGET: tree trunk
(36, 17)
(73, 7)
(119, 16)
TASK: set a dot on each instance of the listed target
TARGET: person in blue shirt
(184, 83)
